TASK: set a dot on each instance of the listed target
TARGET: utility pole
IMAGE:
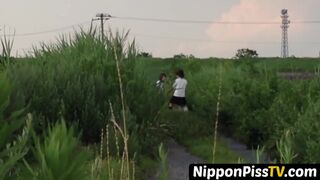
(102, 17)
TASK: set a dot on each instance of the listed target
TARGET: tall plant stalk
(217, 116)
(284, 147)
(7, 45)
(125, 134)
(259, 154)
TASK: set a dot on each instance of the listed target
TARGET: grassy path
(199, 151)
(194, 145)
(179, 160)
(227, 151)
(248, 155)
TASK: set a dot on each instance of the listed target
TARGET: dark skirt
(181, 101)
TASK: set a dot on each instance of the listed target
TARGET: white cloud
(258, 11)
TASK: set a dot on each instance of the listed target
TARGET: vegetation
(59, 153)
(145, 55)
(257, 106)
(6, 46)
(90, 84)
(183, 56)
(199, 139)
(12, 145)
(246, 53)
(86, 108)
(202, 147)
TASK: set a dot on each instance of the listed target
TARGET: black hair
(162, 75)
(180, 73)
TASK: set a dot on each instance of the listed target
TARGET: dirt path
(178, 162)
(249, 155)
(179, 158)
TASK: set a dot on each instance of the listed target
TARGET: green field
(89, 109)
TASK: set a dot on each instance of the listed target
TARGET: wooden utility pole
(102, 17)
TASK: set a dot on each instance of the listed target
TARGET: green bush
(257, 107)
(307, 135)
(59, 156)
(13, 143)
(77, 78)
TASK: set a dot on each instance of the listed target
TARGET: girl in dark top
(160, 82)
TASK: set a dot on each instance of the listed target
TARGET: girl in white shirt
(179, 87)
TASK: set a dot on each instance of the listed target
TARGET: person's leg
(171, 102)
(184, 106)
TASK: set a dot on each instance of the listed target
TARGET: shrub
(77, 78)
(307, 136)
(59, 155)
(12, 145)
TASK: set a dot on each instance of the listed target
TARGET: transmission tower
(284, 27)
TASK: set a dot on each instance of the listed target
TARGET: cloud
(252, 10)
(258, 11)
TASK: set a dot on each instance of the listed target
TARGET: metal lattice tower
(285, 27)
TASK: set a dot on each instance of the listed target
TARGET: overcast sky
(166, 39)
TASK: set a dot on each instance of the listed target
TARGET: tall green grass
(256, 107)
(6, 46)
(106, 96)
(59, 156)
(77, 79)
(14, 133)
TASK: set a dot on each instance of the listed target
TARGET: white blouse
(179, 87)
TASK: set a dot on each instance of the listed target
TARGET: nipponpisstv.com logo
(252, 171)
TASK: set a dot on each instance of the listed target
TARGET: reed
(285, 148)
(125, 162)
(101, 143)
(108, 150)
(217, 116)
(164, 175)
(7, 45)
(259, 154)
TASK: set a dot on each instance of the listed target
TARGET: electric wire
(177, 21)
(47, 31)
(214, 22)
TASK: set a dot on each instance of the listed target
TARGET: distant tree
(145, 54)
(180, 56)
(191, 56)
(246, 53)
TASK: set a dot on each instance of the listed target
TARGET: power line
(305, 22)
(216, 41)
(213, 22)
(175, 21)
(168, 21)
(47, 31)
(200, 40)
(193, 21)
